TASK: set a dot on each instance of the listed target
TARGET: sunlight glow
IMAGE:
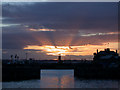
(72, 50)
(41, 30)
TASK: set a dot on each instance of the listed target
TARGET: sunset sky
(46, 29)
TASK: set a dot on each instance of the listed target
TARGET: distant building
(59, 59)
(106, 56)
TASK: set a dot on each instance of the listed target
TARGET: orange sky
(73, 50)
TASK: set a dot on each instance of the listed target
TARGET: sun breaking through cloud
(72, 50)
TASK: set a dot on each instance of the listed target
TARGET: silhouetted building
(106, 56)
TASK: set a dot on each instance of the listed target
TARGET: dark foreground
(88, 70)
(64, 78)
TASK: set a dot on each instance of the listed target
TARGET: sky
(46, 29)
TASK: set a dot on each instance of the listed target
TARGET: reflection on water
(57, 79)
(61, 79)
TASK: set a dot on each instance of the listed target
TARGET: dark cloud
(90, 16)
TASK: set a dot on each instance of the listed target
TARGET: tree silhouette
(15, 56)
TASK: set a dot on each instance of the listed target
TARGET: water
(61, 79)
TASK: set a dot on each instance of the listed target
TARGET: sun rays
(70, 50)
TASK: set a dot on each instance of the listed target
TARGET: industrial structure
(59, 59)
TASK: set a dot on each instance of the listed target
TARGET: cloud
(94, 34)
(21, 39)
(8, 25)
(42, 30)
(80, 16)
(59, 24)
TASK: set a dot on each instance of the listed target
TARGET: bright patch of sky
(73, 50)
